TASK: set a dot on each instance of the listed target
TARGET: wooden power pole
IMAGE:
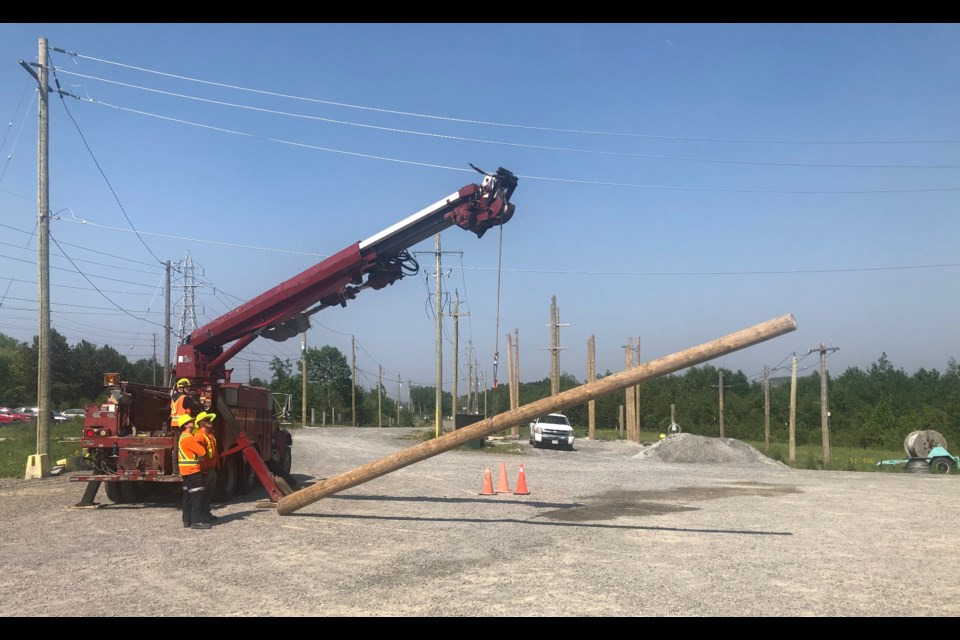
(793, 410)
(591, 376)
(353, 380)
(38, 466)
(630, 396)
(766, 408)
(379, 396)
(303, 374)
(720, 386)
(576, 396)
(824, 411)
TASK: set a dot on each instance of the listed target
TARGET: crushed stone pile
(690, 448)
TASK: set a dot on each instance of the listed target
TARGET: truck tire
(248, 477)
(226, 480)
(114, 493)
(131, 491)
(942, 465)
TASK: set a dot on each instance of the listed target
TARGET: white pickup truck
(552, 430)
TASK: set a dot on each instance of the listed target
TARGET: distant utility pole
(824, 412)
(554, 347)
(166, 328)
(630, 397)
(516, 377)
(353, 379)
(591, 376)
(456, 352)
(154, 366)
(720, 386)
(793, 410)
(766, 408)
(398, 398)
(636, 390)
(303, 375)
(438, 330)
(379, 396)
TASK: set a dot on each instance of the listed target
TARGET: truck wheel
(131, 491)
(286, 461)
(226, 481)
(942, 465)
(248, 477)
(114, 493)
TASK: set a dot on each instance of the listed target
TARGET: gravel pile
(690, 448)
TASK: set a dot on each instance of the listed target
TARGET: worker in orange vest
(210, 462)
(182, 401)
(189, 453)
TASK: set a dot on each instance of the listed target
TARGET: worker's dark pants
(193, 498)
(210, 486)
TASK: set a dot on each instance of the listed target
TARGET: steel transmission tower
(188, 301)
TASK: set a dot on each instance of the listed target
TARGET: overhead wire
(520, 145)
(504, 124)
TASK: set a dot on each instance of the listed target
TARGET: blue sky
(678, 182)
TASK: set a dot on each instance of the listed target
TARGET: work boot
(201, 525)
(212, 517)
(186, 525)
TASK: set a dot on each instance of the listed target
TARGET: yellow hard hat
(183, 382)
(205, 416)
(185, 420)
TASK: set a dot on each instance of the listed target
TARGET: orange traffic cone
(502, 485)
(487, 484)
(521, 489)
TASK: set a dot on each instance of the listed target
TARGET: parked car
(8, 415)
(74, 413)
(33, 411)
(551, 430)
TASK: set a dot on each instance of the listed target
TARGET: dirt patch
(614, 504)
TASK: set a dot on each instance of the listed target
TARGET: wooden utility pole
(38, 466)
(166, 329)
(591, 376)
(398, 398)
(824, 411)
(511, 387)
(576, 396)
(554, 347)
(154, 364)
(379, 396)
(636, 391)
(515, 432)
(456, 352)
(630, 396)
(470, 394)
(766, 408)
(456, 355)
(720, 386)
(793, 410)
(353, 379)
(303, 374)
(438, 314)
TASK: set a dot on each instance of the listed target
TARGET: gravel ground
(690, 526)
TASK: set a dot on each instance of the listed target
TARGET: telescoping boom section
(380, 260)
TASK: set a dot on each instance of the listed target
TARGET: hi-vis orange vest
(189, 452)
(176, 409)
(211, 458)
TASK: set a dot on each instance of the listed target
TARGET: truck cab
(552, 430)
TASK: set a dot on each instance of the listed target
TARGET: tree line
(873, 407)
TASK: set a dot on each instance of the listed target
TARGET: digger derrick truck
(126, 439)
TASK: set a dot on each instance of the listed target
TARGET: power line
(504, 124)
(521, 145)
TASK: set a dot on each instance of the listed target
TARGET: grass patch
(18, 441)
